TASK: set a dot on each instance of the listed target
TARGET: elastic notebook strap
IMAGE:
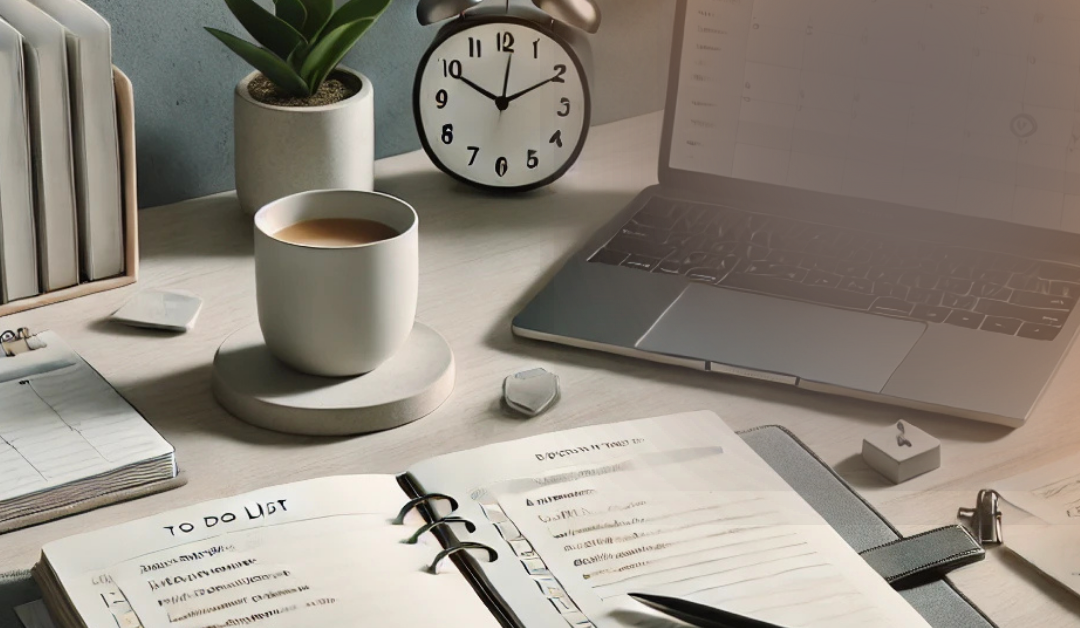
(924, 557)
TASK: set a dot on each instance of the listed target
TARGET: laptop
(867, 198)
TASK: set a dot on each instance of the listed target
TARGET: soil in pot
(338, 87)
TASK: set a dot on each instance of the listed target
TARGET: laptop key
(930, 313)
(823, 279)
(885, 289)
(1001, 325)
(993, 276)
(958, 302)
(891, 307)
(1054, 318)
(1047, 301)
(607, 256)
(705, 275)
(857, 284)
(970, 320)
(1065, 289)
(636, 246)
(991, 291)
(1038, 332)
(669, 268)
(800, 291)
(641, 262)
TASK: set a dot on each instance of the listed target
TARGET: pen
(698, 615)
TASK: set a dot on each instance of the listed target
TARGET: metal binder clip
(19, 342)
(985, 518)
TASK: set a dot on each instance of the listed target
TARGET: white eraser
(901, 452)
(174, 310)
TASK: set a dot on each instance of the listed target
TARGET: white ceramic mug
(336, 311)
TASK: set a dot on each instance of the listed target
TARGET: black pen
(698, 615)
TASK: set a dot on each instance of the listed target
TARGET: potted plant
(301, 121)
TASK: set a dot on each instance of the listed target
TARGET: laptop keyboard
(849, 269)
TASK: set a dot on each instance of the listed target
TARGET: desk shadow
(202, 228)
(860, 475)
(114, 328)
(644, 620)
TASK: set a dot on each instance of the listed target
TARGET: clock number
(566, 108)
(448, 134)
(451, 68)
(502, 166)
(441, 98)
(475, 151)
(559, 71)
(556, 139)
(475, 49)
(536, 49)
(505, 42)
(532, 162)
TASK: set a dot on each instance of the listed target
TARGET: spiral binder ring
(468, 545)
(413, 503)
(434, 524)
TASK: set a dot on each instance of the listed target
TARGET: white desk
(482, 257)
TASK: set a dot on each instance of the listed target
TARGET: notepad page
(676, 506)
(63, 422)
(316, 553)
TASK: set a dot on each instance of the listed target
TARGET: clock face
(502, 104)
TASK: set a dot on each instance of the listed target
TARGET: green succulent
(302, 41)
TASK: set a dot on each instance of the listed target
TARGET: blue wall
(184, 81)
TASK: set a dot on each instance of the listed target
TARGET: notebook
(68, 440)
(552, 531)
(95, 142)
(45, 55)
(18, 250)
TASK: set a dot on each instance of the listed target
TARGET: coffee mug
(336, 310)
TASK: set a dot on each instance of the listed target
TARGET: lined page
(65, 423)
(316, 553)
(676, 505)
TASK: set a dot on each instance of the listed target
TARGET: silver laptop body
(856, 197)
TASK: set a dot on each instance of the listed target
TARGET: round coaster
(256, 387)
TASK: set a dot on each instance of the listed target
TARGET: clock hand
(506, 79)
(477, 88)
(510, 99)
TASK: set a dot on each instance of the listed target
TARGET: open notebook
(68, 440)
(555, 530)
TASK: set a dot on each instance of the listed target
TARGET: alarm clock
(501, 97)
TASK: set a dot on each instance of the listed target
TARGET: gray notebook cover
(857, 522)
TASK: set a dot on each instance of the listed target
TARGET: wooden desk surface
(482, 257)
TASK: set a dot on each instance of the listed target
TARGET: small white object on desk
(173, 310)
(531, 392)
(901, 452)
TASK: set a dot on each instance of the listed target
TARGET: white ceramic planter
(284, 150)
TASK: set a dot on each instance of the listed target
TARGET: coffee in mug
(335, 232)
(336, 274)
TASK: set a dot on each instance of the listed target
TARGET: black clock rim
(464, 24)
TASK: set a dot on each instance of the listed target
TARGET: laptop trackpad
(812, 342)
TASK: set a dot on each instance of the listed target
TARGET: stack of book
(61, 205)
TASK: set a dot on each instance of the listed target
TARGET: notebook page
(678, 506)
(315, 553)
(63, 422)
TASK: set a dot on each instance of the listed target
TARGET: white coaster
(174, 310)
(256, 387)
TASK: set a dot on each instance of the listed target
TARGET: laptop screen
(964, 106)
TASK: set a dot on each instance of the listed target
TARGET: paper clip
(985, 518)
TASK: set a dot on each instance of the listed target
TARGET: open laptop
(878, 199)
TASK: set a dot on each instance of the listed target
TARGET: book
(550, 531)
(45, 55)
(95, 141)
(68, 440)
(18, 241)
